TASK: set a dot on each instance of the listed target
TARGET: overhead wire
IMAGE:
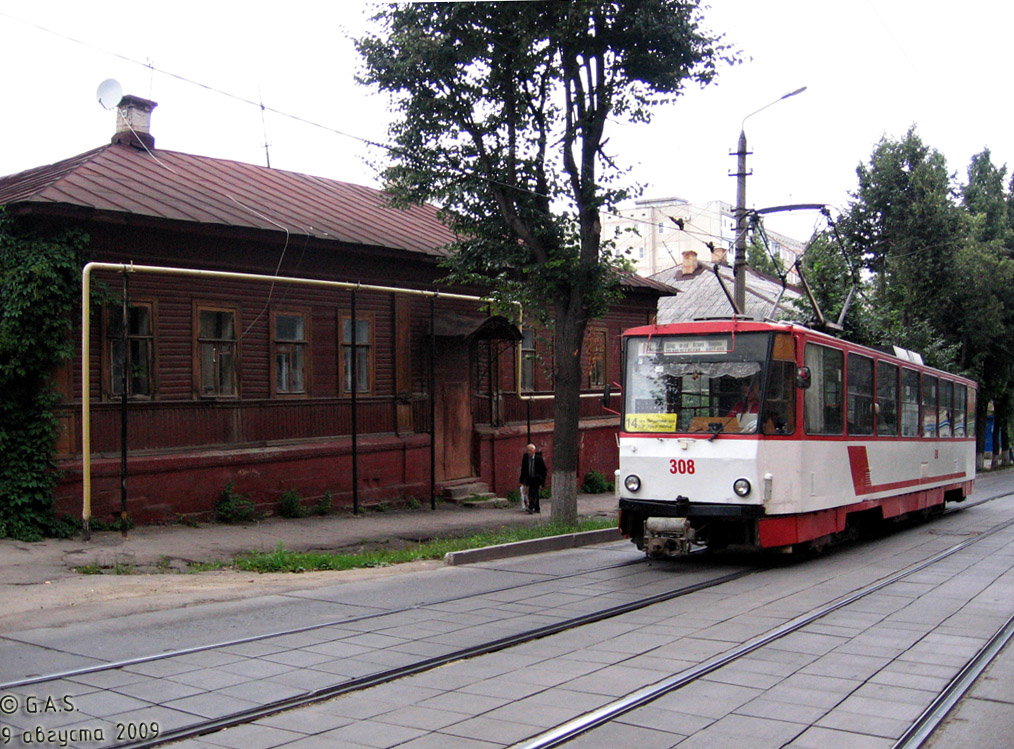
(263, 108)
(705, 238)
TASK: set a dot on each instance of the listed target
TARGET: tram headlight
(741, 487)
(632, 482)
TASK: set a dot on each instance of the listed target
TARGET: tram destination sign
(675, 346)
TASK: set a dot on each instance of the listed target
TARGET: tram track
(914, 738)
(168, 654)
(384, 677)
(347, 686)
(569, 732)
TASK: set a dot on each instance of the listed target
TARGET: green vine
(40, 282)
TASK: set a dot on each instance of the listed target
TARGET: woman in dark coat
(533, 476)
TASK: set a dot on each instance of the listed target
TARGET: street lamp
(739, 266)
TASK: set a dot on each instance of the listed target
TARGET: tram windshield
(717, 384)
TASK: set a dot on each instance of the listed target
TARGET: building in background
(700, 292)
(655, 233)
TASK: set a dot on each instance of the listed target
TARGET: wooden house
(369, 394)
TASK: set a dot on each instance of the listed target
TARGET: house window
(136, 356)
(595, 346)
(528, 360)
(216, 351)
(290, 352)
(363, 354)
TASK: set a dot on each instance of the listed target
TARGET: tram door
(452, 410)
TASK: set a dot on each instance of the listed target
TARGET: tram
(764, 435)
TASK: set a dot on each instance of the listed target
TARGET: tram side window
(860, 400)
(780, 404)
(929, 406)
(909, 403)
(823, 400)
(887, 400)
(960, 399)
(970, 414)
(944, 427)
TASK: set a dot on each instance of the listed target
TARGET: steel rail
(584, 723)
(958, 687)
(381, 677)
(243, 717)
(114, 665)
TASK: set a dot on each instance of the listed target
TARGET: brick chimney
(689, 262)
(133, 122)
(719, 255)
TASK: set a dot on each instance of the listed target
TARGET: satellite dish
(110, 92)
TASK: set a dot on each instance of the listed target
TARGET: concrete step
(463, 490)
(485, 500)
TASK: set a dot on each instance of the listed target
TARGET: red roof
(123, 179)
(182, 187)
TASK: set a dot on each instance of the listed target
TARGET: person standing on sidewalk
(533, 476)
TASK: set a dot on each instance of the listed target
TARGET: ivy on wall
(40, 284)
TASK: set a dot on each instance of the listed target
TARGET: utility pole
(739, 265)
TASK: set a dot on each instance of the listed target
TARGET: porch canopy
(474, 328)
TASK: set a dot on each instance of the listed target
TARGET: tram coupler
(668, 537)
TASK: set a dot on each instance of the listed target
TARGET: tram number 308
(681, 466)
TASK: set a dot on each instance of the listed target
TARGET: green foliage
(291, 505)
(760, 258)
(984, 200)
(283, 560)
(502, 122)
(233, 507)
(937, 275)
(904, 227)
(117, 523)
(40, 281)
(596, 483)
(324, 505)
(504, 107)
(190, 521)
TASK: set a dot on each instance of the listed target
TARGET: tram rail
(912, 739)
(572, 728)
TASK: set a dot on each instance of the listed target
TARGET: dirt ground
(76, 598)
(41, 584)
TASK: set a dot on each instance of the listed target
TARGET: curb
(533, 546)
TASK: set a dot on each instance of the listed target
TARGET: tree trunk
(570, 326)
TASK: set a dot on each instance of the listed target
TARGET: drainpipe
(123, 407)
(433, 404)
(353, 357)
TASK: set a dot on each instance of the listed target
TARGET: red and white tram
(776, 436)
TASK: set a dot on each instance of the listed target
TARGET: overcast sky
(872, 68)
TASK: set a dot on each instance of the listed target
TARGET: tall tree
(503, 110)
(985, 200)
(904, 225)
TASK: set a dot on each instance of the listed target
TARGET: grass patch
(283, 560)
